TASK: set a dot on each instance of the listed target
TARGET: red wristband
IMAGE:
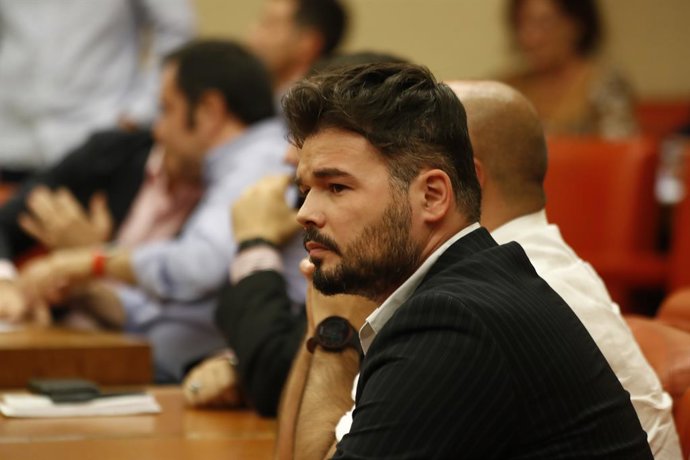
(98, 263)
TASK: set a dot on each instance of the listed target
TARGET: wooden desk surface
(106, 358)
(143, 449)
(176, 433)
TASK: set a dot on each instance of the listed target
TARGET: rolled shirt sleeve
(193, 265)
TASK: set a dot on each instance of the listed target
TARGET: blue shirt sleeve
(195, 264)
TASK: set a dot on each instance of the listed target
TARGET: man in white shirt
(70, 67)
(511, 160)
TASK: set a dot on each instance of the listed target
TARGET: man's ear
(433, 193)
(210, 110)
(479, 169)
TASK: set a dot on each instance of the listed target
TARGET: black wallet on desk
(65, 390)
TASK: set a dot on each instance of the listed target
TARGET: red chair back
(679, 259)
(661, 118)
(601, 194)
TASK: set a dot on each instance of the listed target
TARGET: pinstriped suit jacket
(486, 361)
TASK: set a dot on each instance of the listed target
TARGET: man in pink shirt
(217, 120)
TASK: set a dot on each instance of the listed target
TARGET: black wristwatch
(334, 334)
(253, 242)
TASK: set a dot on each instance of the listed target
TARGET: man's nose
(309, 213)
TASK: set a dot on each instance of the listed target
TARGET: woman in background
(572, 89)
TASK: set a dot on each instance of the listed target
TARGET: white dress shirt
(582, 289)
(69, 67)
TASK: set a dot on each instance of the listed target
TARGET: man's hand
(40, 284)
(261, 212)
(100, 301)
(213, 383)
(354, 308)
(305, 425)
(57, 220)
(13, 304)
(47, 279)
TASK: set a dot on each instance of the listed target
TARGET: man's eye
(336, 188)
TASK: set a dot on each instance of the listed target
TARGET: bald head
(508, 140)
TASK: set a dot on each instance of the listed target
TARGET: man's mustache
(312, 235)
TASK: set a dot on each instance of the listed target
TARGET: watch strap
(254, 242)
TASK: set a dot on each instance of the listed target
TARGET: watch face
(334, 332)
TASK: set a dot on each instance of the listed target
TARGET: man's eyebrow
(326, 173)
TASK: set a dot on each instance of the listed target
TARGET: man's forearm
(290, 404)
(118, 265)
(329, 380)
(76, 265)
(99, 300)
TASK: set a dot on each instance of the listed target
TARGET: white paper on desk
(36, 406)
(6, 326)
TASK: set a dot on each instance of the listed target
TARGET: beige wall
(648, 39)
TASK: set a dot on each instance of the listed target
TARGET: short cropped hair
(226, 67)
(328, 17)
(584, 12)
(414, 121)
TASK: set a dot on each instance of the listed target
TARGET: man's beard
(379, 260)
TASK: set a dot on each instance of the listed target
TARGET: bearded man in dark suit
(467, 352)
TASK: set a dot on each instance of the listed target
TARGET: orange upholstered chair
(675, 310)
(667, 350)
(679, 256)
(681, 412)
(661, 118)
(601, 194)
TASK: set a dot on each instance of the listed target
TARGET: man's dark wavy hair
(226, 67)
(413, 120)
